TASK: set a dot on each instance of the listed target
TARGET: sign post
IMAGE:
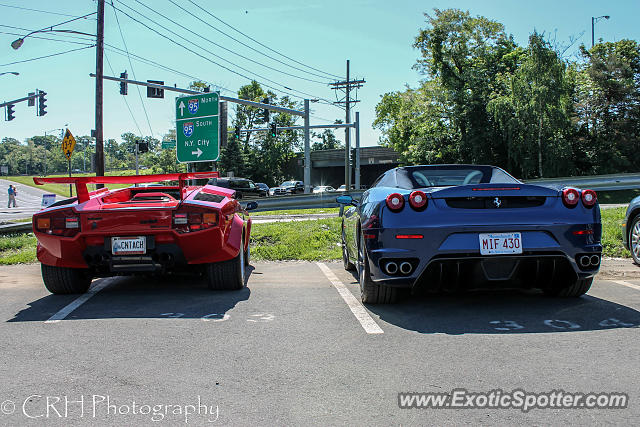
(68, 144)
(198, 128)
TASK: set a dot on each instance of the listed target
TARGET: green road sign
(168, 144)
(198, 128)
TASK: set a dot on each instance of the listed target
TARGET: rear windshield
(444, 176)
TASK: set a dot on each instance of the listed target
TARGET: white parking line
(627, 284)
(60, 315)
(367, 322)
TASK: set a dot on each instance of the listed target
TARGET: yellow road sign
(68, 144)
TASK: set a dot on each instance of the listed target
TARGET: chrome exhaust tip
(391, 267)
(585, 261)
(406, 267)
(595, 260)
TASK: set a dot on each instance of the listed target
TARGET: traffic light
(237, 133)
(42, 104)
(143, 146)
(10, 115)
(274, 130)
(265, 112)
(123, 85)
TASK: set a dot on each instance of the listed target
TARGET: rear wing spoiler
(82, 181)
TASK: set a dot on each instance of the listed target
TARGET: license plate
(128, 245)
(500, 243)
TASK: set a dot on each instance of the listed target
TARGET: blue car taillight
(395, 202)
(418, 200)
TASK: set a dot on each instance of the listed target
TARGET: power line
(227, 49)
(258, 42)
(36, 10)
(47, 56)
(60, 34)
(125, 99)
(218, 56)
(147, 61)
(144, 108)
(50, 27)
(210, 60)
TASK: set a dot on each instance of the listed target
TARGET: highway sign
(168, 144)
(198, 128)
(68, 144)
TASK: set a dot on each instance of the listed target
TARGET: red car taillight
(570, 197)
(192, 219)
(589, 198)
(64, 223)
(395, 202)
(418, 200)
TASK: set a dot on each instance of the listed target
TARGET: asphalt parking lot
(296, 347)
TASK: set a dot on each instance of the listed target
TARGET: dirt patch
(618, 268)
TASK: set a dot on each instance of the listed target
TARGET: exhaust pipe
(595, 260)
(391, 267)
(406, 267)
(585, 261)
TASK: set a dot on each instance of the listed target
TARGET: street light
(15, 73)
(593, 22)
(17, 43)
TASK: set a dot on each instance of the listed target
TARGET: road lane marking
(627, 284)
(60, 315)
(367, 322)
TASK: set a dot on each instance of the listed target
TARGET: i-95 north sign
(198, 128)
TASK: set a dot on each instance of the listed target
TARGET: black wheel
(578, 288)
(371, 292)
(634, 239)
(227, 275)
(247, 254)
(62, 280)
(346, 263)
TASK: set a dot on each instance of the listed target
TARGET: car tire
(346, 263)
(578, 288)
(634, 239)
(63, 280)
(247, 254)
(227, 275)
(371, 292)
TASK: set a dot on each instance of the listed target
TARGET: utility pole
(99, 92)
(347, 86)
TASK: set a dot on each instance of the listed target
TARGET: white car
(323, 189)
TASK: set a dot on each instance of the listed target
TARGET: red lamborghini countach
(153, 229)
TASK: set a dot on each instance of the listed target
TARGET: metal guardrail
(21, 227)
(304, 201)
(621, 181)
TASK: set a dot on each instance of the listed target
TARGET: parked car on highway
(631, 229)
(264, 187)
(452, 227)
(343, 187)
(242, 186)
(142, 230)
(290, 187)
(323, 189)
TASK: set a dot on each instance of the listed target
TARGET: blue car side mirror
(345, 200)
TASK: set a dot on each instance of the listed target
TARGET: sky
(304, 40)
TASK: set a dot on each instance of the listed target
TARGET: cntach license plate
(128, 245)
(500, 243)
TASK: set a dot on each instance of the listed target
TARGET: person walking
(12, 197)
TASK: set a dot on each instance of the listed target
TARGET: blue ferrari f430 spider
(455, 227)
